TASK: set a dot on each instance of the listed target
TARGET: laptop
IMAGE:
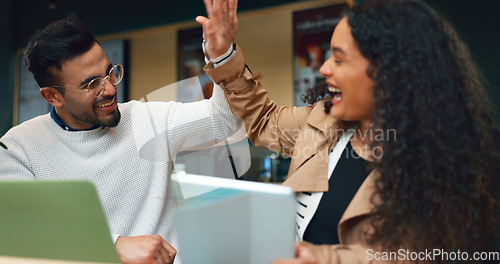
(222, 220)
(54, 220)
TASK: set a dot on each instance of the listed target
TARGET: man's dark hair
(48, 48)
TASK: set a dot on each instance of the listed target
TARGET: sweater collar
(60, 123)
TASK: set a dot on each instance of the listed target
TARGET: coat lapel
(309, 167)
(360, 205)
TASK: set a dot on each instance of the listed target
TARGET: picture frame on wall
(312, 32)
(28, 102)
(193, 83)
(117, 53)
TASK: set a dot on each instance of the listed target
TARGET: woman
(395, 66)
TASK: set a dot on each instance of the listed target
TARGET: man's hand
(145, 249)
(303, 255)
(221, 26)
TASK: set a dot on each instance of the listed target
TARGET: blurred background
(150, 31)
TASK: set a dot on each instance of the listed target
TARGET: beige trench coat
(307, 135)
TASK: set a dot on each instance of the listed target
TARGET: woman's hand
(221, 26)
(303, 255)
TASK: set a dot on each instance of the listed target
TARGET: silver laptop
(54, 220)
(223, 220)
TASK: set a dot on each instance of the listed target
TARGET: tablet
(222, 220)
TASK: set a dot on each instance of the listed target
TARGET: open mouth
(107, 104)
(336, 94)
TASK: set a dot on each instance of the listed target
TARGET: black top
(347, 177)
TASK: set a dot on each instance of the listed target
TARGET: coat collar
(323, 122)
(309, 166)
(362, 204)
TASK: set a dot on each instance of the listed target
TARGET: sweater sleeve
(267, 124)
(199, 125)
(115, 237)
(14, 162)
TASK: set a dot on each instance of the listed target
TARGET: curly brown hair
(438, 181)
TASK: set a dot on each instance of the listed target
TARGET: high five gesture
(221, 26)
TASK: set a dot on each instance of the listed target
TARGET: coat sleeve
(267, 124)
(338, 254)
(357, 253)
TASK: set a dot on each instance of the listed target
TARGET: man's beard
(115, 119)
(111, 121)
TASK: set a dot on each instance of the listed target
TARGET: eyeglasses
(95, 88)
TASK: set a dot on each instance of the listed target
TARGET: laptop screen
(54, 220)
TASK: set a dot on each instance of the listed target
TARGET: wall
(7, 54)
(137, 22)
(265, 37)
(152, 58)
(478, 24)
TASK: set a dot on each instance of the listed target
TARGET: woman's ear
(52, 95)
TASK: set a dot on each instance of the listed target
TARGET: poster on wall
(193, 84)
(312, 32)
(226, 161)
(30, 103)
(116, 51)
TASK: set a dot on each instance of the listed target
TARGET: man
(127, 150)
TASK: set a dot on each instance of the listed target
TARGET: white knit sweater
(129, 164)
